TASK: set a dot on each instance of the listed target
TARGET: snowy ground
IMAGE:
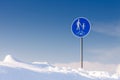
(13, 69)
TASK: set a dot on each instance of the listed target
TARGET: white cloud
(92, 66)
(118, 69)
(112, 28)
(108, 55)
(105, 55)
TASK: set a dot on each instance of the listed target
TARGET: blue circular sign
(80, 27)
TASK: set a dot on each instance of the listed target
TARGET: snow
(14, 69)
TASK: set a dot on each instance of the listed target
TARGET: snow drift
(13, 69)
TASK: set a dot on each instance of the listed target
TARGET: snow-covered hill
(13, 69)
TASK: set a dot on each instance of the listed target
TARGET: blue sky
(40, 30)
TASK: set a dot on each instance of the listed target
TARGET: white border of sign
(87, 33)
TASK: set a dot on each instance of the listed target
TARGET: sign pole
(81, 52)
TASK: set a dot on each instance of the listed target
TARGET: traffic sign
(80, 27)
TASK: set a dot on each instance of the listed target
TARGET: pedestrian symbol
(80, 27)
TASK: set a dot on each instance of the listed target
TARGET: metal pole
(81, 52)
